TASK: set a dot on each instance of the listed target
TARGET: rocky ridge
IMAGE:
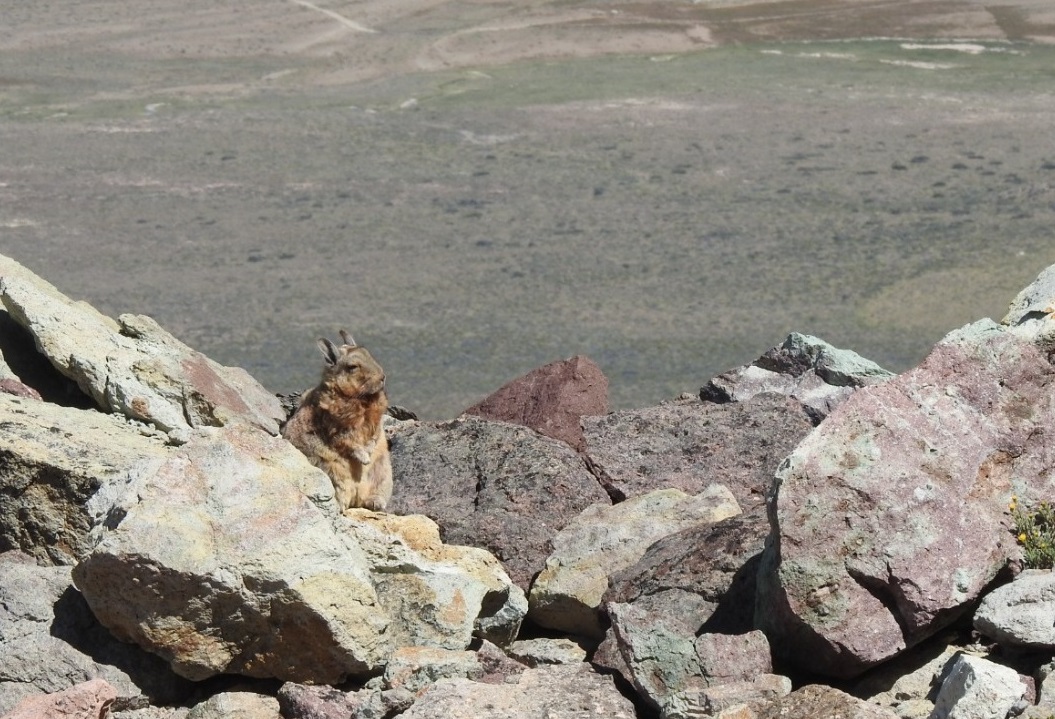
(808, 536)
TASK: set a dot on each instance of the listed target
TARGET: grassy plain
(471, 210)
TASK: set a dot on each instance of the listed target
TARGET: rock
(604, 540)
(13, 386)
(688, 444)
(670, 666)
(871, 511)
(710, 568)
(733, 700)
(1030, 314)
(89, 700)
(152, 713)
(807, 368)
(299, 701)
(816, 700)
(977, 688)
(726, 658)
(492, 485)
(132, 366)
(909, 683)
(499, 668)
(536, 652)
(51, 642)
(1019, 615)
(218, 561)
(436, 595)
(54, 461)
(550, 399)
(414, 668)
(303, 701)
(550, 692)
(236, 705)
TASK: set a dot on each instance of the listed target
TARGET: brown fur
(337, 425)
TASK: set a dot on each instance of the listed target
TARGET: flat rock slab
(688, 444)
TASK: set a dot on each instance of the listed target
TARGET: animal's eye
(353, 368)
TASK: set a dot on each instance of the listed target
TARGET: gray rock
(689, 444)
(1030, 314)
(133, 367)
(536, 652)
(909, 683)
(55, 459)
(414, 668)
(658, 652)
(732, 700)
(603, 540)
(236, 705)
(868, 553)
(550, 692)
(152, 713)
(1019, 615)
(497, 486)
(977, 688)
(550, 399)
(51, 642)
(807, 368)
(219, 562)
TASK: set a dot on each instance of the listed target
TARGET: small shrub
(1035, 532)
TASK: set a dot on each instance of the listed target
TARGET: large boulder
(890, 518)
(51, 642)
(688, 444)
(550, 399)
(498, 486)
(227, 558)
(133, 366)
(807, 368)
(219, 562)
(54, 459)
(606, 539)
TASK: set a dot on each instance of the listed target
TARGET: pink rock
(550, 399)
(890, 519)
(90, 700)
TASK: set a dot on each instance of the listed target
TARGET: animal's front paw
(375, 505)
(362, 456)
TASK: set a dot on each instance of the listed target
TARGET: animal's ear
(328, 350)
(347, 337)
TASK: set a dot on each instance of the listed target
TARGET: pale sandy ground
(461, 185)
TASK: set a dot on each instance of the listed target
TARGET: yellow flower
(1022, 538)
